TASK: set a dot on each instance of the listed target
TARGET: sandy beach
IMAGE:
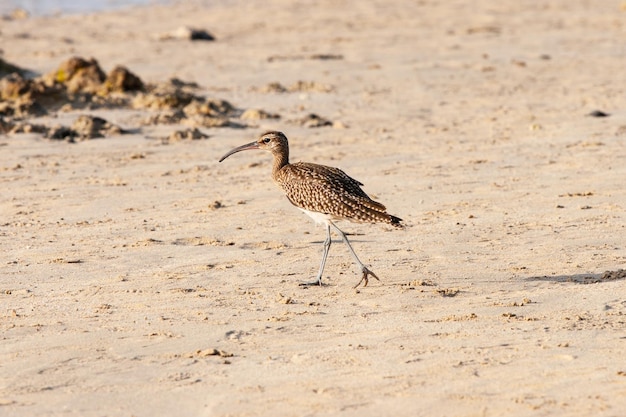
(140, 277)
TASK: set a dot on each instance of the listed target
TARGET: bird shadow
(607, 276)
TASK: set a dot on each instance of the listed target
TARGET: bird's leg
(366, 272)
(327, 242)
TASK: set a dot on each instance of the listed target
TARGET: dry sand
(139, 278)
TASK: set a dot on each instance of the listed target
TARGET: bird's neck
(281, 159)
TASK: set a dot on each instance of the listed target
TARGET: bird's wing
(330, 191)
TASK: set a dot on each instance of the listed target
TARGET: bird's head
(275, 142)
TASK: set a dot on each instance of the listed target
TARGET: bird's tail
(396, 221)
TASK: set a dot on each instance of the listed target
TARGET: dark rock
(5, 126)
(188, 134)
(162, 97)
(313, 120)
(7, 68)
(187, 33)
(120, 79)
(14, 86)
(208, 107)
(60, 133)
(598, 113)
(79, 75)
(91, 127)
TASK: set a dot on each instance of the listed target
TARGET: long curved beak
(247, 146)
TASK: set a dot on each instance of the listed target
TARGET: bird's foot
(366, 272)
(312, 283)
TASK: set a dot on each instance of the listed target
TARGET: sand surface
(143, 278)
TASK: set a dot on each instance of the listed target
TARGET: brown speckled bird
(322, 192)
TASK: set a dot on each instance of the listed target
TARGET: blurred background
(51, 7)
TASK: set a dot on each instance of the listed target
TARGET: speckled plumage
(324, 193)
(330, 191)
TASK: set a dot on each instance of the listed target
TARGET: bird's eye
(266, 140)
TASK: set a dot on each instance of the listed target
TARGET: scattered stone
(120, 79)
(310, 86)
(322, 57)
(180, 83)
(188, 109)
(84, 128)
(104, 99)
(162, 97)
(5, 126)
(7, 68)
(313, 120)
(484, 29)
(273, 88)
(60, 133)
(326, 57)
(257, 114)
(91, 127)
(207, 121)
(212, 352)
(297, 87)
(282, 299)
(28, 97)
(165, 118)
(79, 83)
(13, 86)
(21, 108)
(448, 292)
(614, 275)
(79, 75)
(208, 107)
(187, 33)
(29, 128)
(598, 113)
(187, 134)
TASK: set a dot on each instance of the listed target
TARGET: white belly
(320, 218)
